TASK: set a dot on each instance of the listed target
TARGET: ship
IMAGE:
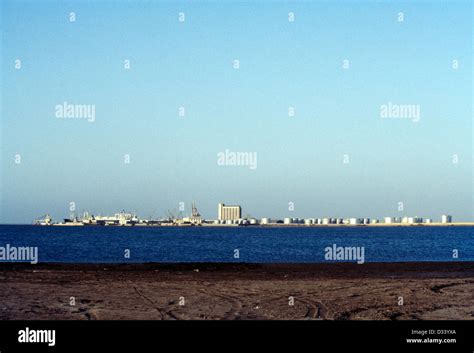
(46, 220)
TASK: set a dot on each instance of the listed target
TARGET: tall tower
(220, 208)
(194, 211)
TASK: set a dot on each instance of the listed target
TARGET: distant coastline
(281, 225)
(231, 215)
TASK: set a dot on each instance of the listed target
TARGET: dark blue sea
(254, 244)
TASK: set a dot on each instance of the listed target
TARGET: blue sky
(282, 64)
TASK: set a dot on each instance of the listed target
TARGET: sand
(337, 291)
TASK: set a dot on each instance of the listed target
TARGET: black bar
(318, 336)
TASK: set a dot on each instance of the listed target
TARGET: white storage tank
(446, 219)
(354, 221)
(388, 220)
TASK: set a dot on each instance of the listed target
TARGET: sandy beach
(340, 291)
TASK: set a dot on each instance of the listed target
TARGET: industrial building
(228, 213)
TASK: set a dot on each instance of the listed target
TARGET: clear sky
(283, 64)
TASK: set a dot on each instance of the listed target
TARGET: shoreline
(271, 225)
(325, 269)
